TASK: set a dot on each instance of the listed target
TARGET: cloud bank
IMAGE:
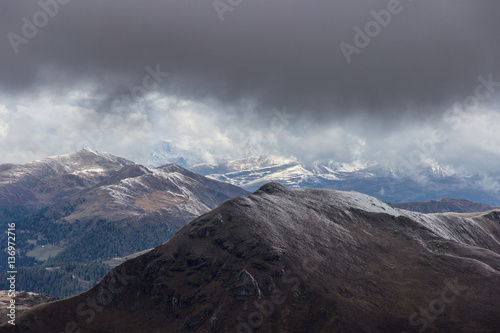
(365, 80)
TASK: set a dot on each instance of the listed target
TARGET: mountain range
(445, 205)
(82, 212)
(408, 182)
(428, 182)
(90, 205)
(40, 183)
(298, 260)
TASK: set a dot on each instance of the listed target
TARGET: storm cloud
(350, 71)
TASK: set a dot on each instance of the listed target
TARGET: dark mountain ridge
(445, 205)
(301, 260)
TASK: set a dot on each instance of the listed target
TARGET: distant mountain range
(423, 182)
(445, 206)
(430, 183)
(299, 260)
(88, 205)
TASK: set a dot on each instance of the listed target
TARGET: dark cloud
(275, 53)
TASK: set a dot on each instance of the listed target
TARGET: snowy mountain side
(429, 182)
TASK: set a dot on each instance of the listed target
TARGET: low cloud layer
(360, 80)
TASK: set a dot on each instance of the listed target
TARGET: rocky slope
(135, 190)
(24, 301)
(299, 260)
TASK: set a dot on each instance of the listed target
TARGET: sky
(393, 81)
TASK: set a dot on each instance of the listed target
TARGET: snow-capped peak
(258, 162)
(84, 163)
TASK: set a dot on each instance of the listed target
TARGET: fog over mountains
(427, 182)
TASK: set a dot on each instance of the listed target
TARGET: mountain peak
(405, 183)
(170, 167)
(63, 174)
(301, 260)
(87, 149)
(271, 188)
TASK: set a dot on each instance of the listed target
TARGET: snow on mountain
(331, 166)
(252, 172)
(346, 200)
(135, 190)
(458, 229)
(166, 152)
(86, 163)
(255, 162)
(90, 195)
(427, 181)
(41, 182)
(157, 190)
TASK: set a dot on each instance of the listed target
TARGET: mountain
(445, 206)
(253, 172)
(34, 185)
(166, 152)
(88, 205)
(135, 190)
(429, 181)
(298, 260)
